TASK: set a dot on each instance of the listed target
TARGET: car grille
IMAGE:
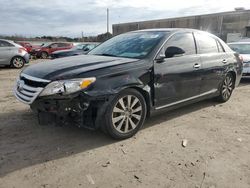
(28, 88)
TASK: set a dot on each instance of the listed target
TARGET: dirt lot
(217, 153)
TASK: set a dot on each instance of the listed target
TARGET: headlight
(67, 86)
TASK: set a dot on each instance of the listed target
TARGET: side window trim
(166, 41)
(195, 43)
(158, 53)
(219, 44)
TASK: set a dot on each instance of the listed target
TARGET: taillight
(21, 50)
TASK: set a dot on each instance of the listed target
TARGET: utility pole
(82, 36)
(107, 20)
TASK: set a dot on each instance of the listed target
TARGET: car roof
(168, 30)
(175, 30)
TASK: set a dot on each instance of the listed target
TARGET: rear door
(178, 78)
(63, 46)
(53, 47)
(214, 61)
(6, 52)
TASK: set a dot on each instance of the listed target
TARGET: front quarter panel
(116, 79)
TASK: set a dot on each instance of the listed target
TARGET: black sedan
(79, 49)
(130, 77)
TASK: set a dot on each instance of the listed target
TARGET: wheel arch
(15, 57)
(146, 93)
(233, 74)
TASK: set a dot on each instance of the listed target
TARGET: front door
(177, 77)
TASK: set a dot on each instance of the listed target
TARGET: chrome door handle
(224, 61)
(197, 66)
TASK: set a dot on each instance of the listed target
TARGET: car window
(183, 42)
(5, 44)
(206, 43)
(220, 47)
(240, 48)
(62, 45)
(55, 45)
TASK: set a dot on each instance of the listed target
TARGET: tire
(226, 89)
(17, 62)
(44, 55)
(123, 120)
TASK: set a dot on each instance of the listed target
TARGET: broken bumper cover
(78, 109)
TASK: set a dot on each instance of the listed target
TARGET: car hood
(246, 57)
(72, 67)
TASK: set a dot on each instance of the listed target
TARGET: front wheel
(226, 88)
(44, 55)
(126, 114)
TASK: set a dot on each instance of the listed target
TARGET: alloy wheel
(127, 114)
(44, 55)
(17, 62)
(227, 87)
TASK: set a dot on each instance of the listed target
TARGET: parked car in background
(12, 54)
(26, 45)
(29, 47)
(243, 48)
(129, 77)
(47, 49)
(79, 49)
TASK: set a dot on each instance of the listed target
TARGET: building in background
(229, 26)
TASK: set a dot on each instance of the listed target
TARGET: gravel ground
(217, 153)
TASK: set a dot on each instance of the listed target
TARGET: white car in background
(12, 54)
(243, 48)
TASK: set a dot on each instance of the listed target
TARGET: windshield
(241, 48)
(79, 46)
(130, 45)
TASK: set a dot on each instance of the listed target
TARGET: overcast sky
(70, 17)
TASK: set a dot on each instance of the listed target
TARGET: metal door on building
(248, 31)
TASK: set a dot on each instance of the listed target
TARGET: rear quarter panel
(235, 65)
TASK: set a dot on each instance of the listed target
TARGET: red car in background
(46, 50)
(29, 47)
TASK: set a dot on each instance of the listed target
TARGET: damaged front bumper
(78, 109)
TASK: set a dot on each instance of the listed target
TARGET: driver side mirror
(86, 49)
(170, 52)
(174, 51)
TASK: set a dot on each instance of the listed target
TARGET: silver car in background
(243, 48)
(12, 54)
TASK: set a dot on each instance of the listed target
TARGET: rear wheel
(126, 114)
(17, 62)
(44, 55)
(226, 88)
